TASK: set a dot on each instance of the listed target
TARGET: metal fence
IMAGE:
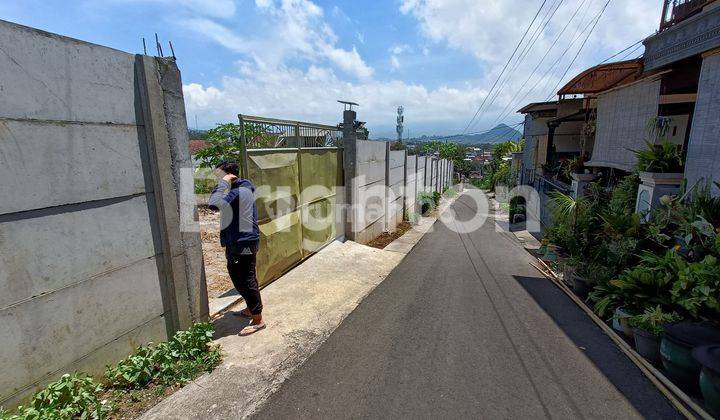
(271, 133)
(297, 169)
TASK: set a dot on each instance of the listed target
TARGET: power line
(592, 29)
(506, 65)
(513, 101)
(631, 53)
(533, 39)
(620, 52)
(546, 79)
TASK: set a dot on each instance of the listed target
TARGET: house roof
(603, 77)
(538, 106)
(197, 145)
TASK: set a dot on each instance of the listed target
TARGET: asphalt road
(464, 327)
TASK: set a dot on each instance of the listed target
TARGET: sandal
(251, 329)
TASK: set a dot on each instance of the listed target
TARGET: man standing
(239, 234)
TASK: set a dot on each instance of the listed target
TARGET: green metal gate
(297, 169)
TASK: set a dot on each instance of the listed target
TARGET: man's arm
(222, 194)
(217, 197)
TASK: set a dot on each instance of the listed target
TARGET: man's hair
(229, 167)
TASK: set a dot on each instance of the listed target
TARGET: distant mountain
(499, 134)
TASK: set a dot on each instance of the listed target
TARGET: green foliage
(77, 396)
(499, 172)
(624, 195)
(436, 196)
(175, 361)
(451, 151)
(427, 202)
(72, 396)
(204, 186)
(224, 144)
(697, 287)
(652, 320)
(397, 145)
(664, 157)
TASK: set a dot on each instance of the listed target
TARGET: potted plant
(648, 328)
(709, 358)
(660, 168)
(581, 282)
(620, 322)
(679, 340)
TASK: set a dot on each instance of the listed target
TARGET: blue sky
(294, 58)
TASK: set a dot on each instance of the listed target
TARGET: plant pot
(709, 358)
(568, 274)
(619, 315)
(647, 345)
(676, 348)
(581, 286)
(626, 328)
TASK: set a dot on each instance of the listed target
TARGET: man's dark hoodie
(238, 213)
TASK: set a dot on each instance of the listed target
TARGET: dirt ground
(218, 281)
(383, 240)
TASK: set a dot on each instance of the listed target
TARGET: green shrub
(175, 361)
(427, 203)
(72, 396)
(436, 196)
(664, 157)
(652, 320)
(77, 396)
(204, 186)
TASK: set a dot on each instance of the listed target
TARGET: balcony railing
(675, 11)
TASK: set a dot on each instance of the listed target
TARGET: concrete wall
(622, 117)
(703, 154)
(385, 188)
(395, 183)
(92, 260)
(421, 174)
(368, 190)
(411, 187)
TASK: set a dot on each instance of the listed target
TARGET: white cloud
(293, 29)
(212, 8)
(270, 81)
(489, 30)
(394, 62)
(311, 95)
(219, 34)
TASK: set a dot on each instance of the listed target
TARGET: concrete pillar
(579, 183)
(182, 281)
(350, 169)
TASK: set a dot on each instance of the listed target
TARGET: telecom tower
(400, 120)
